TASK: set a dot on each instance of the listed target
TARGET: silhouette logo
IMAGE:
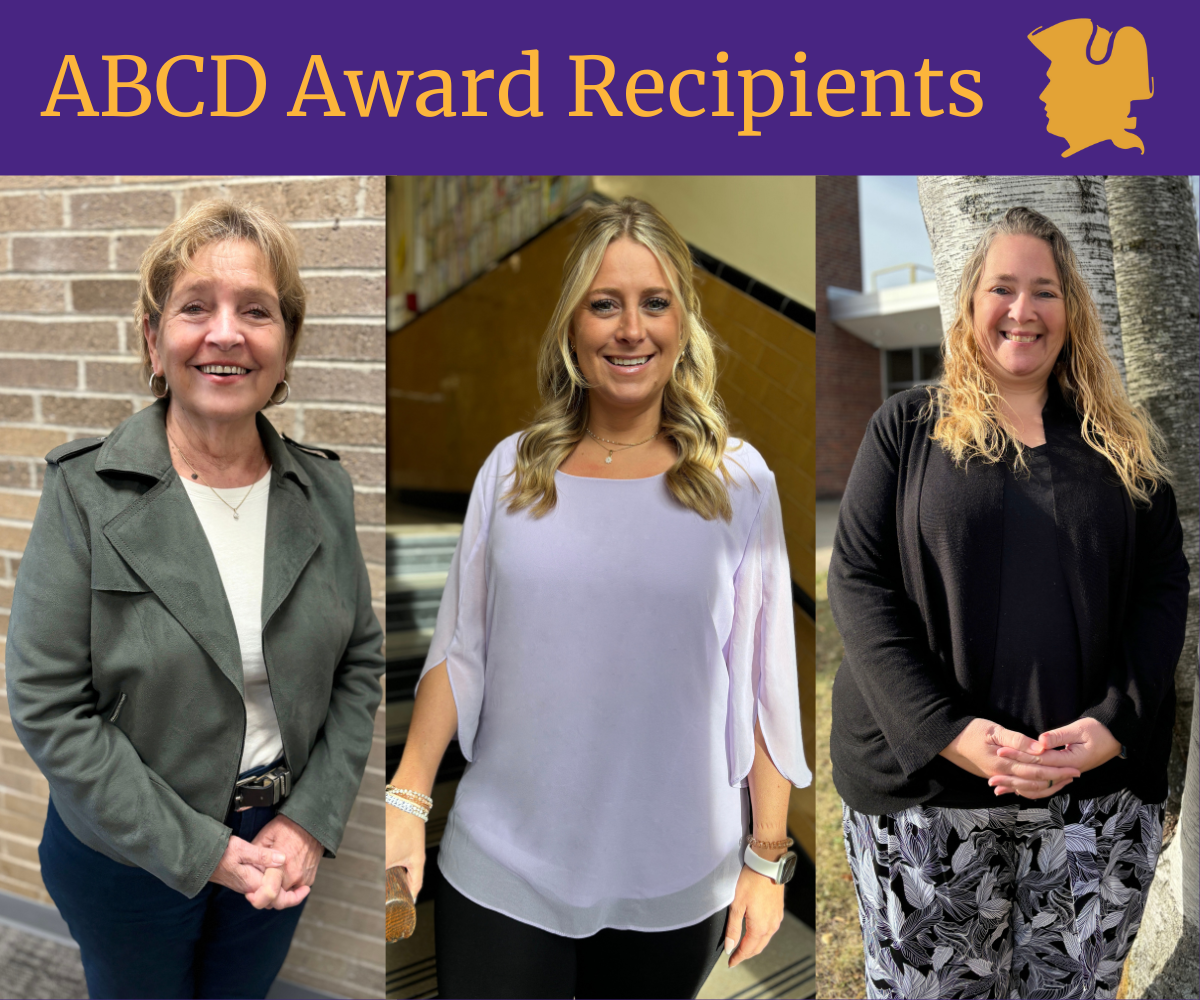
(1094, 74)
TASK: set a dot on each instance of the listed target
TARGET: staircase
(418, 559)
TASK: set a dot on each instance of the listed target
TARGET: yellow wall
(764, 226)
(768, 382)
(461, 376)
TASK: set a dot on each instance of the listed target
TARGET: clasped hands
(276, 870)
(1032, 769)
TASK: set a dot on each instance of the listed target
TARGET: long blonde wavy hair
(692, 414)
(966, 400)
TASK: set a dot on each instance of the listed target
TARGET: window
(911, 366)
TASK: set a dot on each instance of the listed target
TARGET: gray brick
(85, 411)
(35, 295)
(335, 427)
(104, 295)
(291, 201)
(369, 508)
(130, 247)
(342, 246)
(46, 182)
(343, 341)
(283, 418)
(376, 206)
(345, 296)
(38, 373)
(60, 253)
(87, 337)
(22, 212)
(115, 376)
(366, 468)
(18, 409)
(339, 385)
(14, 472)
(122, 209)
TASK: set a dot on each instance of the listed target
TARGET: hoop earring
(166, 388)
(287, 391)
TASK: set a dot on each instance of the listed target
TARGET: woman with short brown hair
(193, 659)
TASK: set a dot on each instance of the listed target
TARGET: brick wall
(848, 368)
(69, 368)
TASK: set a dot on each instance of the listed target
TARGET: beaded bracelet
(405, 806)
(771, 845)
(408, 793)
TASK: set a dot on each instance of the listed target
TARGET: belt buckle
(267, 789)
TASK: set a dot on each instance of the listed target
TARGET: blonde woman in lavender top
(615, 653)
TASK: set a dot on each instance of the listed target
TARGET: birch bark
(1157, 267)
(1157, 264)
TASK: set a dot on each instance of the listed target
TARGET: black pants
(482, 953)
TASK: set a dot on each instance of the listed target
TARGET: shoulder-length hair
(965, 401)
(214, 221)
(692, 414)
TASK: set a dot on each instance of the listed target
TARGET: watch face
(789, 867)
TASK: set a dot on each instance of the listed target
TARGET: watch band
(778, 872)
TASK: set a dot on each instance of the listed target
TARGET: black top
(916, 588)
(1035, 680)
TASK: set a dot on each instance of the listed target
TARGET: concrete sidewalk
(35, 966)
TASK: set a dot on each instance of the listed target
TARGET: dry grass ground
(839, 941)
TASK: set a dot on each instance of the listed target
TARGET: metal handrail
(910, 268)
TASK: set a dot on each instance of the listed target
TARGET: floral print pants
(1021, 900)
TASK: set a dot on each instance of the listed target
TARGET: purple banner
(904, 89)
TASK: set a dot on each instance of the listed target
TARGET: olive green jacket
(124, 668)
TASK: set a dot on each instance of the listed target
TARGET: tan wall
(764, 226)
(69, 368)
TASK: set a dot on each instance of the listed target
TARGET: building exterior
(870, 344)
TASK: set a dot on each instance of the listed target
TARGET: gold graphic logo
(1094, 75)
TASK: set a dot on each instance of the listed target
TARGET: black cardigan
(914, 585)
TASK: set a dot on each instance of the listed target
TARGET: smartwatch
(779, 872)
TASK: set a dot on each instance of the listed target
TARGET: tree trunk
(958, 209)
(1157, 265)
(1162, 963)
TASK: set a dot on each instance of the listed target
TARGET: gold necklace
(621, 445)
(196, 475)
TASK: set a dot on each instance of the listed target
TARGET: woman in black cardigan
(1009, 582)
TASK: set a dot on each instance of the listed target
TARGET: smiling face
(1020, 315)
(221, 342)
(626, 331)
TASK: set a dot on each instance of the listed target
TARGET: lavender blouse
(608, 663)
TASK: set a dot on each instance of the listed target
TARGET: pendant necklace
(620, 445)
(196, 475)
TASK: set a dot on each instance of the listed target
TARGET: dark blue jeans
(139, 938)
